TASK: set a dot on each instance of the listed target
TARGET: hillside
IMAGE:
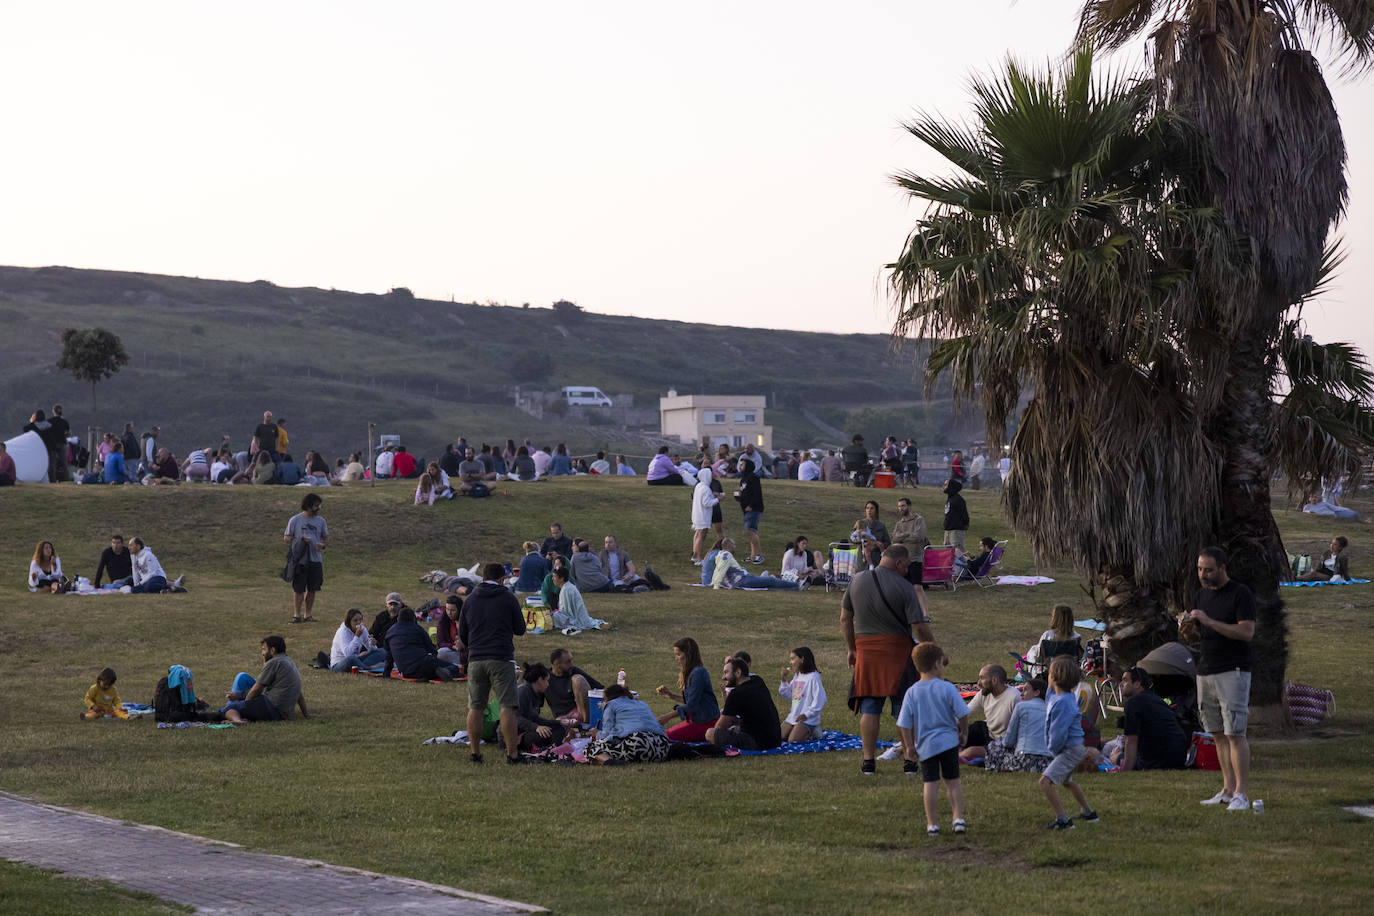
(207, 356)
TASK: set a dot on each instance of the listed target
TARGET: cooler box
(594, 706)
(1206, 747)
(884, 480)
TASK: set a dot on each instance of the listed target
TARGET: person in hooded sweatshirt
(956, 516)
(704, 500)
(750, 496)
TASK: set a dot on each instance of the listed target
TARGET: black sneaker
(1064, 823)
(474, 758)
(868, 767)
(910, 767)
(1089, 817)
(514, 761)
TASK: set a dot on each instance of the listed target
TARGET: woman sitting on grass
(802, 562)
(1023, 748)
(45, 569)
(628, 733)
(697, 709)
(353, 646)
(572, 611)
(803, 722)
(1335, 565)
(533, 569)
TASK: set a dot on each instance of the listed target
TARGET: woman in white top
(45, 569)
(1061, 630)
(149, 579)
(803, 562)
(353, 646)
(803, 722)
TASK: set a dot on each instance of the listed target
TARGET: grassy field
(354, 785)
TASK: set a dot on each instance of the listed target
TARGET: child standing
(934, 721)
(102, 699)
(1064, 731)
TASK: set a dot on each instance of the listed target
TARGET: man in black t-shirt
(568, 686)
(749, 720)
(1224, 613)
(61, 429)
(1154, 740)
(265, 434)
(556, 543)
(115, 560)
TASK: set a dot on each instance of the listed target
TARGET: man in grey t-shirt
(471, 471)
(881, 617)
(273, 695)
(308, 535)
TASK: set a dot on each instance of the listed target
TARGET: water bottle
(620, 678)
(1257, 806)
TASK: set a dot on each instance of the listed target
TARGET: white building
(735, 420)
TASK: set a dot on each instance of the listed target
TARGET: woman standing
(697, 709)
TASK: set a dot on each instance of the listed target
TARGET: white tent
(30, 457)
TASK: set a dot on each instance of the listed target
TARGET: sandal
(308, 619)
(295, 620)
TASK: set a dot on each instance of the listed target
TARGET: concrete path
(212, 876)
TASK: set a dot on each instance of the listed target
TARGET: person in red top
(404, 464)
(8, 474)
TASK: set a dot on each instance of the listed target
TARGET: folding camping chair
(844, 562)
(983, 576)
(937, 566)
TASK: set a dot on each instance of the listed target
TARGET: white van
(582, 396)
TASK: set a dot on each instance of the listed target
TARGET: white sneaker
(892, 753)
(1221, 798)
(1239, 803)
(1337, 580)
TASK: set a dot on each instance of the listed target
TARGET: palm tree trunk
(1246, 529)
(1137, 616)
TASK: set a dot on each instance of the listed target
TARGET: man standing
(39, 423)
(750, 496)
(749, 720)
(273, 695)
(116, 560)
(148, 460)
(9, 474)
(61, 429)
(956, 516)
(129, 440)
(1153, 738)
(265, 436)
(881, 617)
(490, 622)
(910, 532)
(856, 460)
(308, 535)
(831, 472)
(1224, 609)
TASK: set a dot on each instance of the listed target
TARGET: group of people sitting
(132, 570)
(629, 731)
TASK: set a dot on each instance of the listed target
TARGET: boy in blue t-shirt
(934, 721)
(1064, 733)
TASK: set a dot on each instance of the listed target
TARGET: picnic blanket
(1023, 580)
(195, 725)
(828, 741)
(137, 710)
(396, 676)
(1325, 582)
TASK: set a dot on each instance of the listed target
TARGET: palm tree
(1239, 69)
(1067, 257)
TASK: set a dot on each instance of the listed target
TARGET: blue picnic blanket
(829, 741)
(1325, 582)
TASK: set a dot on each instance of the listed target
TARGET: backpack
(167, 705)
(479, 490)
(491, 719)
(655, 581)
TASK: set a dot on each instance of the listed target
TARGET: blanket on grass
(828, 741)
(1023, 580)
(137, 710)
(1325, 582)
(195, 725)
(396, 676)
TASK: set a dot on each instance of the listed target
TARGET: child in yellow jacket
(102, 699)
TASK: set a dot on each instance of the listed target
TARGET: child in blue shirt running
(934, 723)
(1064, 731)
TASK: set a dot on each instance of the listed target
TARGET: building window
(737, 441)
(759, 443)
(713, 416)
(746, 416)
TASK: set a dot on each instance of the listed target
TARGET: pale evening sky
(717, 162)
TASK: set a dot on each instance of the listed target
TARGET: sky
(719, 162)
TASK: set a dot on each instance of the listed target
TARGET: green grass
(355, 786)
(40, 892)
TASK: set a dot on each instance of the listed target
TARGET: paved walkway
(212, 876)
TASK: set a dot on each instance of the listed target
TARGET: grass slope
(355, 786)
(207, 356)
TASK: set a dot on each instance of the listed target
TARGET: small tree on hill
(570, 312)
(90, 355)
